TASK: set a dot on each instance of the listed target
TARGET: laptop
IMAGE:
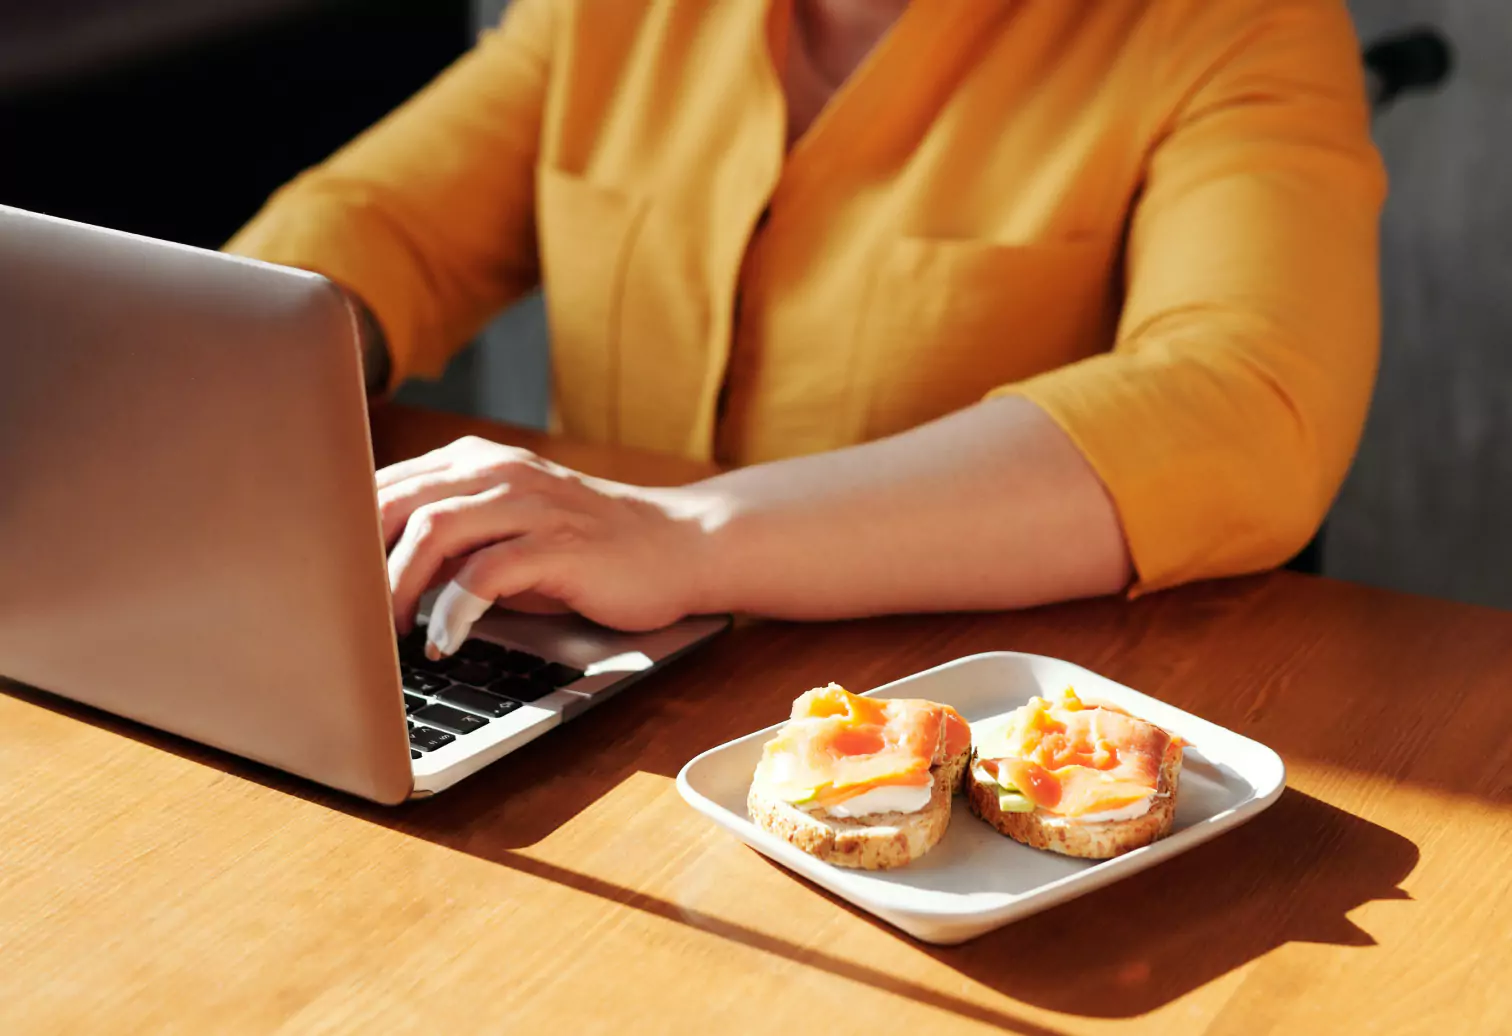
(189, 532)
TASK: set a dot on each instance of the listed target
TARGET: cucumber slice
(799, 797)
(1014, 802)
(1010, 799)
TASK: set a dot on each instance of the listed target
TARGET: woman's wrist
(750, 552)
(710, 546)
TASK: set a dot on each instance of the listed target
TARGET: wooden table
(149, 885)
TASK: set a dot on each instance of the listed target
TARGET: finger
(505, 570)
(449, 529)
(461, 451)
(396, 502)
(424, 464)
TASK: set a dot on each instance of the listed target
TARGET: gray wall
(505, 374)
(1428, 506)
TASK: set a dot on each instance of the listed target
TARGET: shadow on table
(774, 945)
(1134, 946)
(1124, 950)
(1138, 944)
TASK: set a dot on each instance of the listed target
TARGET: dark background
(178, 126)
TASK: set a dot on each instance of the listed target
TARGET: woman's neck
(827, 41)
(837, 35)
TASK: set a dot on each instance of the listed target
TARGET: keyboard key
(414, 753)
(475, 674)
(425, 683)
(479, 701)
(521, 662)
(412, 654)
(428, 739)
(558, 675)
(413, 702)
(485, 652)
(521, 688)
(438, 667)
(451, 719)
(412, 646)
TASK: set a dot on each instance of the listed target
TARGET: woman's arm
(990, 507)
(428, 217)
(1227, 413)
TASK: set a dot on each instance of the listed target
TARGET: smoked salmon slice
(1071, 758)
(837, 745)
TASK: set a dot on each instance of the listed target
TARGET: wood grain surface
(149, 885)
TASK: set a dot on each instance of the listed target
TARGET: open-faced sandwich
(861, 782)
(1080, 779)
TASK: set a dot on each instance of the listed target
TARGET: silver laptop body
(189, 532)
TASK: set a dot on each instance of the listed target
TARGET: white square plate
(976, 880)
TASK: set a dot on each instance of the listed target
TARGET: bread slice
(1095, 841)
(880, 841)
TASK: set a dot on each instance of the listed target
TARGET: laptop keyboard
(456, 696)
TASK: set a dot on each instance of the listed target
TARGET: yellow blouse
(1157, 219)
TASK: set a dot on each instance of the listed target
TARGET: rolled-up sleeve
(428, 217)
(1225, 417)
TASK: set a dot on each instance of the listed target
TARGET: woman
(987, 302)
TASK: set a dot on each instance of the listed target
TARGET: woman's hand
(506, 525)
(990, 507)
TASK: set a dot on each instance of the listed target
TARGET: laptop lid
(188, 526)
